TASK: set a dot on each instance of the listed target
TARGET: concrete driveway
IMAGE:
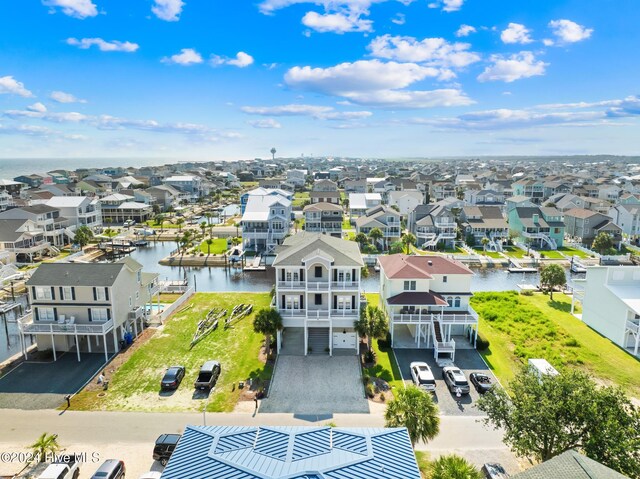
(43, 385)
(468, 360)
(316, 386)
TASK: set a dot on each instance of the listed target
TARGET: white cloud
(433, 51)
(367, 75)
(39, 131)
(336, 23)
(399, 19)
(315, 111)
(548, 42)
(103, 45)
(267, 123)
(187, 56)
(10, 86)
(268, 7)
(516, 33)
(374, 83)
(63, 97)
(465, 30)
(241, 60)
(37, 107)
(74, 8)
(168, 10)
(569, 32)
(512, 68)
(447, 5)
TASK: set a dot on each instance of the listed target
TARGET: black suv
(165, 445)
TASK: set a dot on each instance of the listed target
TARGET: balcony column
(330, 338)
(89, 343)
(53, 345)
(115, 339)
(306, 338)
(279, 340)
(77, 343)
(104, 341)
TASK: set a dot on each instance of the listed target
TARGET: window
(409, 285)
(456, 302)
(99, 314)
(450, 301)
(444, 279)
(46, 314)
(341, 276)
(139, 276)
(318, 272)
(344, 302)
(101, 294)
(67, 293)
(288, 275)
(137, 294)
(318, 300)
(43, 292)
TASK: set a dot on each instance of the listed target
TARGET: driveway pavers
(316, 385)
(468, 360)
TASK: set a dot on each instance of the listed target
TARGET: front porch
(322, 337)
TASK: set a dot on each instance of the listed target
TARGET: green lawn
(346, 224)
(490, 254)
(514, 252)
(218, 246)
(165, 225)
(299, 198)
(386, 366)
(135, 385)
(522, 327)
(573, 252)
(551, 254)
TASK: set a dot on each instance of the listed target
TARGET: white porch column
(419, 331)
(135, 328)
(279, 340)
(106, 354)
(89, 343)
(635, 349)
(115, 340)
(330, 338)
(475, 339)
(53, 346)
(306, 338)
(77, 345)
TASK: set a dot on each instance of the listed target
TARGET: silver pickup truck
(65, 467)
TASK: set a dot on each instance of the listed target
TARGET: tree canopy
(547, 415)
(453, 467)
(414, 409)
(408, 241)
(82, 236)
(602, 243)
(268, 322)
(551, 276)
(372, 324)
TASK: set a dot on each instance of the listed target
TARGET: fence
(176, 304)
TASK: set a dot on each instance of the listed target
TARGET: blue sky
(207, 79)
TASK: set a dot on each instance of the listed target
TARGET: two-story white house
(46, 218)
(266, 221)
(318, 293)
(385, 219)
(426, 299)
(87, 307)
(432, 224)
(611, 304)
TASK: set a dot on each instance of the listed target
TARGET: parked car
(172, 378)
(110, 469)
(164, 447)
(494, 471)
(67, 467)
(129, 223)
(482, 382)
(455, 379)
(208, 375)
(422, 376)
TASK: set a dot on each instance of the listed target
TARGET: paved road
(130, 436)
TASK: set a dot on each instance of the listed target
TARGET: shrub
(369, 357)
(382, 398)
(526, 292)
(572, 343)
(366, 378)
(482, 343)
(385, 343)
(369, 390)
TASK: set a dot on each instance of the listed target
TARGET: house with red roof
(426, 299)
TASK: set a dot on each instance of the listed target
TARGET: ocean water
(12, 167)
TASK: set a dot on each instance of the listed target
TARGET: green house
(543, 227)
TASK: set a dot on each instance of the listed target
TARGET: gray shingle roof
(297, 247)
(80, 274)
(570, 465)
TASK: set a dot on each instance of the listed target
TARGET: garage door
(344, 340)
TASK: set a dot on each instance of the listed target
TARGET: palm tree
(273, 154)
(361, 238)
(209, 242)
(268, 322)
(203, 227)
(485, 241)
(46, 444)
(372, 324)
(408, 241)
(180, 222)
(296, 223)
(453, 467)
(414, 409)
(375, 234)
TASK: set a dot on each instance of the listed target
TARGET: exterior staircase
(318, 340)
(437, 333)
(440, 346)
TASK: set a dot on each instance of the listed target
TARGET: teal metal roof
(225, 452)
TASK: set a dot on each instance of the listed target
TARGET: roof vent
(430, 263)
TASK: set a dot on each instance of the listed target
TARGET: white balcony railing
(344, 285)
(317, 314)
(344, 313)
(445, 347)
(317, 285)
(463, 317)
(291, 284)
(28, 326)
(633, 327)
(32, 248)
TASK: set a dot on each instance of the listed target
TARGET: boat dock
(518, 268)
(256, 265)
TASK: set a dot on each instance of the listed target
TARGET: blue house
(293, 453)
